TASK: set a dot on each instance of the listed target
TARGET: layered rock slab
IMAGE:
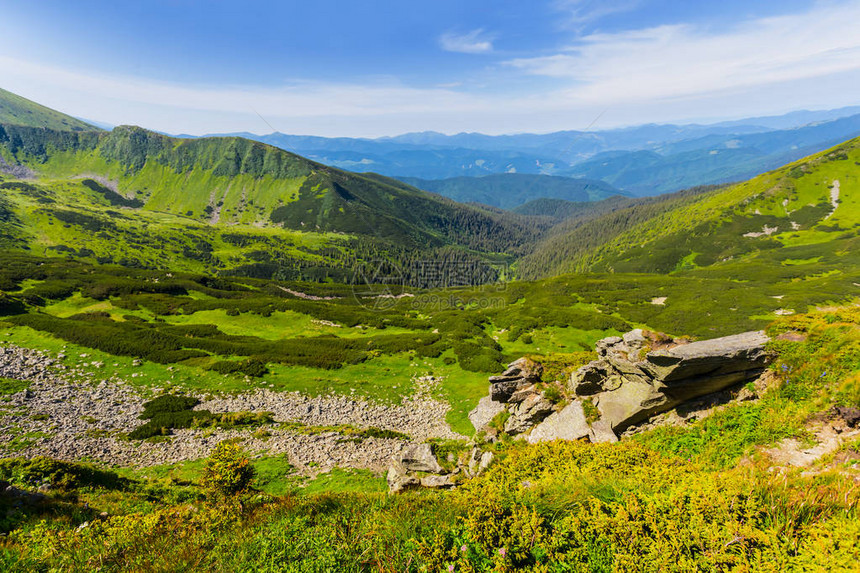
(643, 373)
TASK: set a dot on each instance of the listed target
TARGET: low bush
(228, 470)
(59, 474)
(169, 412)
(250, 367)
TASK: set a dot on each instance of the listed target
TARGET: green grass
(9, 386)
(274, 475)
(345, 481)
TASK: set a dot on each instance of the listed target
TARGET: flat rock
(566, 424)
(438, 482)
(745, 351)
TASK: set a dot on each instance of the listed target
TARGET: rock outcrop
(515, 391)
(518, 375)
(642, 373)
(635, 377)
(417, 466)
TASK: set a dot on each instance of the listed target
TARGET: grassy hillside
(219, 204)
(17, 110)
(589, 228)
(707, 496)
(510, 190)
(788, 217)
(349, 338)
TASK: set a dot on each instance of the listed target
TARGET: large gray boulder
(420, 458)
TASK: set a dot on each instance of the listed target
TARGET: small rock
(420, 458)
(438, 481)
(486, 459)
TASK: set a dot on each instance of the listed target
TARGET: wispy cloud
(683, 60)
(474, 42)
(659, 74)
(178, 108)
(579, 12)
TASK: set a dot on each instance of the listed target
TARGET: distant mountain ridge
(646, 160)
(713, 158)
(510, 190)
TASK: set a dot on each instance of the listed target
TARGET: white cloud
(662, 74)
(179, 108)
(681, 60)
(578, 12)
(474, 42)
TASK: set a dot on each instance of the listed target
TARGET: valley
(177, 313)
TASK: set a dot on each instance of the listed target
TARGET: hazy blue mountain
(795, 118)
(510, 190)
(643, 160)
(713, 158)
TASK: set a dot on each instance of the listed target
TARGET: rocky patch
(61, 417)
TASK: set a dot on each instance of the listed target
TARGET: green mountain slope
(17, 110)
(559, 209)
(799, 214)
(216, 204)
(510, 190)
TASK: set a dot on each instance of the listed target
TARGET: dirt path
(827, 437)
(834, 197)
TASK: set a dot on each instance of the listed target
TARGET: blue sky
(381, 67)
